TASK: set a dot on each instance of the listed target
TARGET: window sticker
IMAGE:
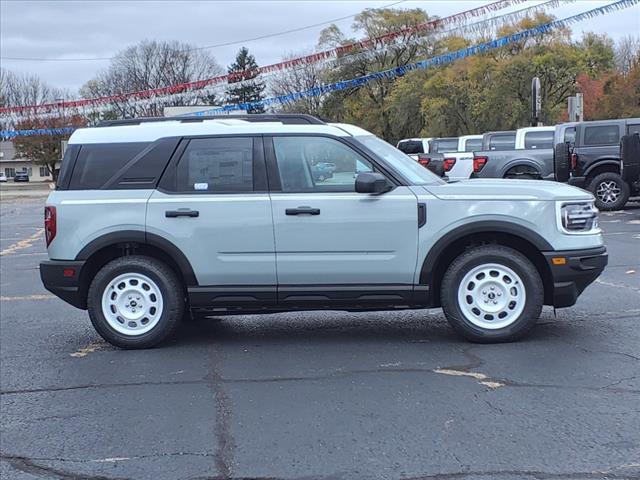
(201, 186)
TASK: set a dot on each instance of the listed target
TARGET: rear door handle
(181, 213)
(302, 211)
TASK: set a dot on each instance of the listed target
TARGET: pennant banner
(315, 57)
(402, 70)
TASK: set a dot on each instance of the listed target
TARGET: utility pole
(576, 108)
(536, 102)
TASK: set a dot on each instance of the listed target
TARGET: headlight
(578, 217)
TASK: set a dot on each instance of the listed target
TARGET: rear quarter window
(601, 135)
(97, 163)
(632, 129)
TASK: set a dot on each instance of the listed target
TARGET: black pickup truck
(591, 157)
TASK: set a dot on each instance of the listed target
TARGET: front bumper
(580, 269)
(57, 278)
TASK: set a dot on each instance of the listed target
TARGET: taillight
(49, 223)
(479, 163)
(423, 160)
(448, 163)
(574, 161)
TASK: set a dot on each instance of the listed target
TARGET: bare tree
(300, 78)
(627, 53)
(24, 89)
(148, 65)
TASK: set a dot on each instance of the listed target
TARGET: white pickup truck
(458, 163)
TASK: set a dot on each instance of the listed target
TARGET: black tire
(561, 168)
(607, 180)
(172, 296)
(505, 257)
(630, 156)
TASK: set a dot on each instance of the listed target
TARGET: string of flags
(397, 71)
(368, 43)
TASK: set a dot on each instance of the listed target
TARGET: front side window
(216, 165)
(602, 135)
(503, 142)
(317, 164)
(538, 140)
(633, 129)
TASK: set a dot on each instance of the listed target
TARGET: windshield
(411, 170)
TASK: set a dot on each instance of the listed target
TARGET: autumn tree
(243, 85)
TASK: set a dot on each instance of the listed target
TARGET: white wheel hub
(132, 304)
(491, 296)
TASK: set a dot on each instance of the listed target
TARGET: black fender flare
(482, 226)
(142, 238)
(598, 163)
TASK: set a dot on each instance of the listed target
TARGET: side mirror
(372, 182)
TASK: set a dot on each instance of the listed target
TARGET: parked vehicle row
(18, 177)
(584, 154)
(152, 220)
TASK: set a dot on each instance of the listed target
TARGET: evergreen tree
(244, 69)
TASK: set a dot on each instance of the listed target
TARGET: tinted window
(602, 135)
(443, 145)
(570, 135)
(97, 163)
(216, 165)
(473, 144)
(411, 147)
(503, 142)
(631, 129)
(538, 140)
(317, 164)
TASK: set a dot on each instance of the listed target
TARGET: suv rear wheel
(610, 190)
(135, 302)
(492, 293)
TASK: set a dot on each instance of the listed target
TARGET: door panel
(355, 239)
(209, 208)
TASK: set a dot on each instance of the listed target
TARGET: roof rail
(285, 118)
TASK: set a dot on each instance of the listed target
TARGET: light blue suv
(156, 219)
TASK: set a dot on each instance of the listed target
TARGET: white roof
(151, 131)
(537, 129)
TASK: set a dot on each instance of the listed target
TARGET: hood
(503, 189)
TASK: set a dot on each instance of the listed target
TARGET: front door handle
(302, 211)
(181, 213)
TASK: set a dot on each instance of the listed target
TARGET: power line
(207, 47)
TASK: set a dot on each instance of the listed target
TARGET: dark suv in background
(594, 158)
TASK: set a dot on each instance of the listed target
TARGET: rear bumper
(580, 269)
(67, 287)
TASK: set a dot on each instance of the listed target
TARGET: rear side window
(441, 145)
(502, 142)
(633, 129)
(216, 165)
(602, 135)
(411, 147)
(97, 163)
(473, 144)
(538, 140)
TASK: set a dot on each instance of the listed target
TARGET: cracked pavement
(322, 395)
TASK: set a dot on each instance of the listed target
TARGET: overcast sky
(89, 29)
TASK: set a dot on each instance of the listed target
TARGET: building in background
(10, 164)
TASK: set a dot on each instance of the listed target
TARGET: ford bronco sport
(156, 219)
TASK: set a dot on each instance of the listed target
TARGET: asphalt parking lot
(327, 395)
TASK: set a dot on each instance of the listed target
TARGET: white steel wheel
(132, 304)
(491, 296)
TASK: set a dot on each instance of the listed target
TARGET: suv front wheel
(135, 302)
(492, 293)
